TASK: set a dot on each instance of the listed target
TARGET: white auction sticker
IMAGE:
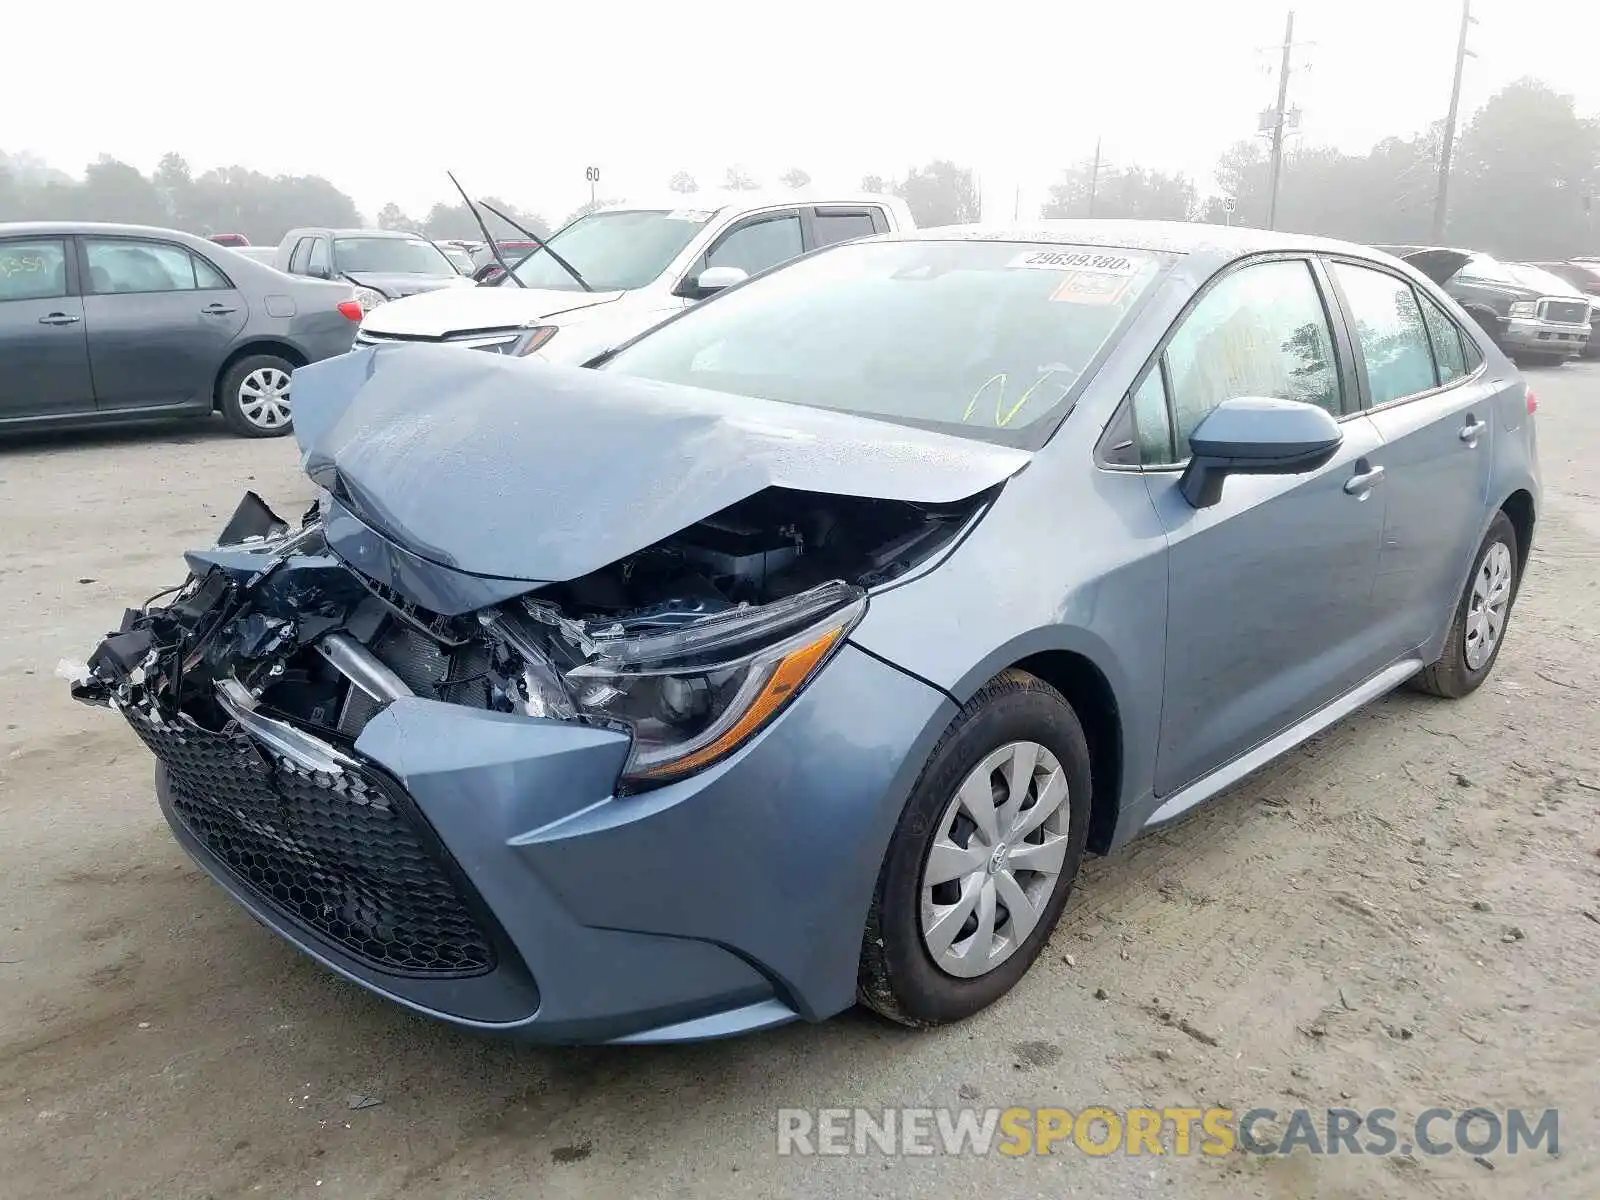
(1096, 261)
(696, 215)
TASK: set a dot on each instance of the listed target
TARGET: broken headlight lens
(370, 298)
(695, 694)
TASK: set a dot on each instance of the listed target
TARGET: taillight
(352, 309)
(1533, 401)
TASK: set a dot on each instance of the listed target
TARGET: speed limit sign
(592, 174)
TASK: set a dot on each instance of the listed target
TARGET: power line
(1441, 203)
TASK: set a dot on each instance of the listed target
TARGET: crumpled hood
(462, 310)
(532, 471)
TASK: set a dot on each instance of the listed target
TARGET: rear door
(1431, 396)
(1270, 613)
(160, 322)
(44, 357)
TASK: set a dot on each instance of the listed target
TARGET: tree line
(1527, 169)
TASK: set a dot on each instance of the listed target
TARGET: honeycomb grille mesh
(338, 854)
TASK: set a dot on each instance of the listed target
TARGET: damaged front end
(253, 681)
(689, 646)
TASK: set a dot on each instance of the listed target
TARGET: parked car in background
(1583, 274)
(485, 267)
(795, 655)
(1528, 312)
(111, 322)
(382, 264)
(229, 239)
(636, 265)
(260, 254)
(458, 256)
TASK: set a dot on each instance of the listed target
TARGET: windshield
(614, 251)
(390, 256)
(1541, 280)
(982, 338)
(1486, 269)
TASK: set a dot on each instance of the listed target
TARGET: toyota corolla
(794, 654)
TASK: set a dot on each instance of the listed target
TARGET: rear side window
(207, 277)
(1261, 331)
(1449, 353)
(1390, 333)
(35, 270)
(321, 258)
(842, 225)
(297, 260)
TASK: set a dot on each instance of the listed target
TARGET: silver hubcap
(994, 863)
(264, 398)
(1486, 611)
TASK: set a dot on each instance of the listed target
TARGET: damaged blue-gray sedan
(795, 652)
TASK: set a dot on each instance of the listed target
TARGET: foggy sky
(519, 98)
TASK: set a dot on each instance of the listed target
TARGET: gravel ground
(1403, 913)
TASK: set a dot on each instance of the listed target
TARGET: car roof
(66, 228)
(1172, 237)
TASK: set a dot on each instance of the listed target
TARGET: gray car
(114, 322)
(795, 653)
(383, 264)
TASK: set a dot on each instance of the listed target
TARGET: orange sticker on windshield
(1090, 287)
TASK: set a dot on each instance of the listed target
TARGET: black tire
(1450, 676)
(898, 977)
(231, 403)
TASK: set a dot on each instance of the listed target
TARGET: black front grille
(1573, 312)
(343, 855)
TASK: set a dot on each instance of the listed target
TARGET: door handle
(1472, 430)
(217, 310)
(59, 318)
(1363, 481)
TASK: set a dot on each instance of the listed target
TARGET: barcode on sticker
(1076, 260)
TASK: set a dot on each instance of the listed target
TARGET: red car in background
(229, 239)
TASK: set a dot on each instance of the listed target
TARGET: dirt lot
(1404, 913)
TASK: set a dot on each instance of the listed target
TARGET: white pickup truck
(632, 266)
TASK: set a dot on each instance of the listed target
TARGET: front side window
(33, 270)
(1389, 331)
(982, 338)
(318, 261)
(1262, 331)
(615, 250)
(763, 243)
(386, 256)
(121, 266)
(302, 252)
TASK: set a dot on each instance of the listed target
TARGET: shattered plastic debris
(73, 671)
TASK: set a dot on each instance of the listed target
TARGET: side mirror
(1256, 436)
(709, 282)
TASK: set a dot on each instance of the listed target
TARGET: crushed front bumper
(727, 902)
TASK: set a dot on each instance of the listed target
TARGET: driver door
(1270, 612)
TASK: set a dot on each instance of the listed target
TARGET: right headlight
(692, 695)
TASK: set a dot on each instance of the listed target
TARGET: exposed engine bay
(688, 645)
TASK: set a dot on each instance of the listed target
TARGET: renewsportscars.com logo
(1098, 1131)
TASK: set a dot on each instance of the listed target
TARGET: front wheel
(1479, 625)
(254, 396)
(983, 859)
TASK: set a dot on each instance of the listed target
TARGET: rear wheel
(983, 858)
(254, 396)
(1478, 628)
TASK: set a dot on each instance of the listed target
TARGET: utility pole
(1279, 116)
(1094, 176)
(1016, 208)
(1441, 203)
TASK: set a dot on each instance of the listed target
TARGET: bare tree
(682, 181)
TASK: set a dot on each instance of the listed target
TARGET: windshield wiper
(478, 217)
(541, 244)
